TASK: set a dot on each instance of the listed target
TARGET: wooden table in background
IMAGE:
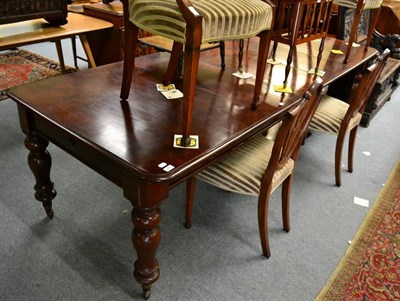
(37, 31)
(126, 141)
(107, 45)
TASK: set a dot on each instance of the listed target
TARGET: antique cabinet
(383, 90)
(53, 11)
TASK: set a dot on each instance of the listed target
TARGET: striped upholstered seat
(222, 20)
(260, 165)
(359, 6)
(329, 116)
(241, 171)
(369, 4)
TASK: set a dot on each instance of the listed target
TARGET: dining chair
(260, 165)
(189, 24)
(334, 116)
(359, 6)
(300, 21)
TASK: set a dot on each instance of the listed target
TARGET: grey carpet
(85, 252)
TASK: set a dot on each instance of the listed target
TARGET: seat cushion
(222, 19)
(273, 131)
(329, 116)
(241, 171)
(369, 4)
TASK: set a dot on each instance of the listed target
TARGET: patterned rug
(19, 67)
(370, 269)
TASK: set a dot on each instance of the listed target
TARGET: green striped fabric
(329, 115)
(369, 4)
(222, 19)
(241, 171)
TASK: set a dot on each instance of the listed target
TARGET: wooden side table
(107, 46)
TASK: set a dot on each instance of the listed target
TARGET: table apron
(141, 192)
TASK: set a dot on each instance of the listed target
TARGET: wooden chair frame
(286, 146)
(358, 98)
(354, 28)
(301, 21)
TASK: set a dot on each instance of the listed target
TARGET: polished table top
(126, 141)
(140, 133)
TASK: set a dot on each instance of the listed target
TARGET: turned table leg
(39, 161)
(146, 237)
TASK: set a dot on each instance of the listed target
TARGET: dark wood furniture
(53, 11)
(300, 21)
(387, 32)
(340, 117)
(108, 46)
(386, 35)
(386, 84)
(345, 20)
(129, 142)
(358, 7)
(259, 166)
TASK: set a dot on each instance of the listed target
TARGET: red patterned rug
(370, 269)
(19, 67)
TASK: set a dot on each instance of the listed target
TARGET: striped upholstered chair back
(359, 6)
(189, 24)
(259, 166)
(334, 116)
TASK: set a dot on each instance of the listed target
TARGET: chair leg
(353, 32)
(288, 63)
(241, 46)
(263, 49)
(88, 51)
(286, 185)
(320, 51)
(131, 36)
(173, 63)
(263, 203)
(338, 156)
(60, 55)
(74, 53)
(191, 65)
(372, 25)
(222, 54)
(294, 30)
(273, 56)
(190, 190)
(352, 141)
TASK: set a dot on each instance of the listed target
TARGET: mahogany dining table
(131, 142)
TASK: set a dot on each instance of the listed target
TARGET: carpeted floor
(20, 66)
(370, 268)
(85, 253)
